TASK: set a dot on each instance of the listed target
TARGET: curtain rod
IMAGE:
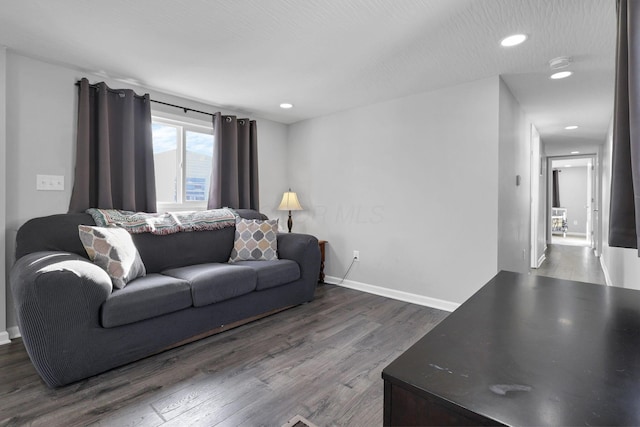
(185, 109)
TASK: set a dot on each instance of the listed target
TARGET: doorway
(572, 209)
(571, 241)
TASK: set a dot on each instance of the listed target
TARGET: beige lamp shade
(289, 202)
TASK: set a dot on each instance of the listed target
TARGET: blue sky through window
(165, 139)
(200, 143)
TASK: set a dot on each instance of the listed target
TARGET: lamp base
(290, 222)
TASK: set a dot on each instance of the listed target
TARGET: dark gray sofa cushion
(164, 252)
(177, 250)
(211, 283)
(145, 297)
(273, 273)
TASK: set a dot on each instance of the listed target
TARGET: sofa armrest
(303, 249)
(57, 297)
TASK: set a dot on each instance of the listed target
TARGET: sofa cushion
(177, 250)
(215, 282)
(146, 297)
(112, 249)
(255, 240)
(183, 249)
(273, 273)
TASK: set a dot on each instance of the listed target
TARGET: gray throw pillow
(112, 249)
(256, 240)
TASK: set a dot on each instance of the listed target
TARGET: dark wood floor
(572, 263)
(321, 360)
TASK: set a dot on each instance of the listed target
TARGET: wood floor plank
(571, 263)
(321, 360)
(138, 416)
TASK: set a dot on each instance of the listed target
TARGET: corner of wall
(4, 335)
(514, 187)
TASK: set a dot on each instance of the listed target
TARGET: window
(182, 153)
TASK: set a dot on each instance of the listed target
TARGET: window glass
(183, 154)
(166, 159)
(199, 147)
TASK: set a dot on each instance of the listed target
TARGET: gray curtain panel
(234, 174)
(114, 152)
(556, 189)
(624, 223)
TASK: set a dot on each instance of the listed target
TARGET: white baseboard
(541, 259)
(607, 278)
(14, 332)
(394, 294)
(4, 338)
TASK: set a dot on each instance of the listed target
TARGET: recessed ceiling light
(561, 75)
(567, 166)
(575, 152)
(513, 40)
(572, 127)
(286, 105)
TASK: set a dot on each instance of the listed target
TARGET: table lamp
(290, 203)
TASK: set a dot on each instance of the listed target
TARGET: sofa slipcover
(75, 325)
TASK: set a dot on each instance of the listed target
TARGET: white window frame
(183, 124)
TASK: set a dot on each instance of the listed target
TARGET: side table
(322, 243)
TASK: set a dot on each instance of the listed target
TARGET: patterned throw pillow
(112, 249)
(256, 240)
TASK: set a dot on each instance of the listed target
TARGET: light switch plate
(50, 182)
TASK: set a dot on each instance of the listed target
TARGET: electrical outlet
(356, 255)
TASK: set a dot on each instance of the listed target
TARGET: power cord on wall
(348, 270)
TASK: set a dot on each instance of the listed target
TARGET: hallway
(572, 263)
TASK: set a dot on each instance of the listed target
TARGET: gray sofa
(74, 325)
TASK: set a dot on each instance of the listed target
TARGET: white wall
(573, 196)
(599, 202)
(4, 335)
(273, 163)
(514, 226)
(539, 199)
(412, 184)
(41, 114)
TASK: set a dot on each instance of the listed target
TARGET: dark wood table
(524, 350)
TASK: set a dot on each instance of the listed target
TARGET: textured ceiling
(330, 55)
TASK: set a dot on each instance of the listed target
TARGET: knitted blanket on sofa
(164, 223)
